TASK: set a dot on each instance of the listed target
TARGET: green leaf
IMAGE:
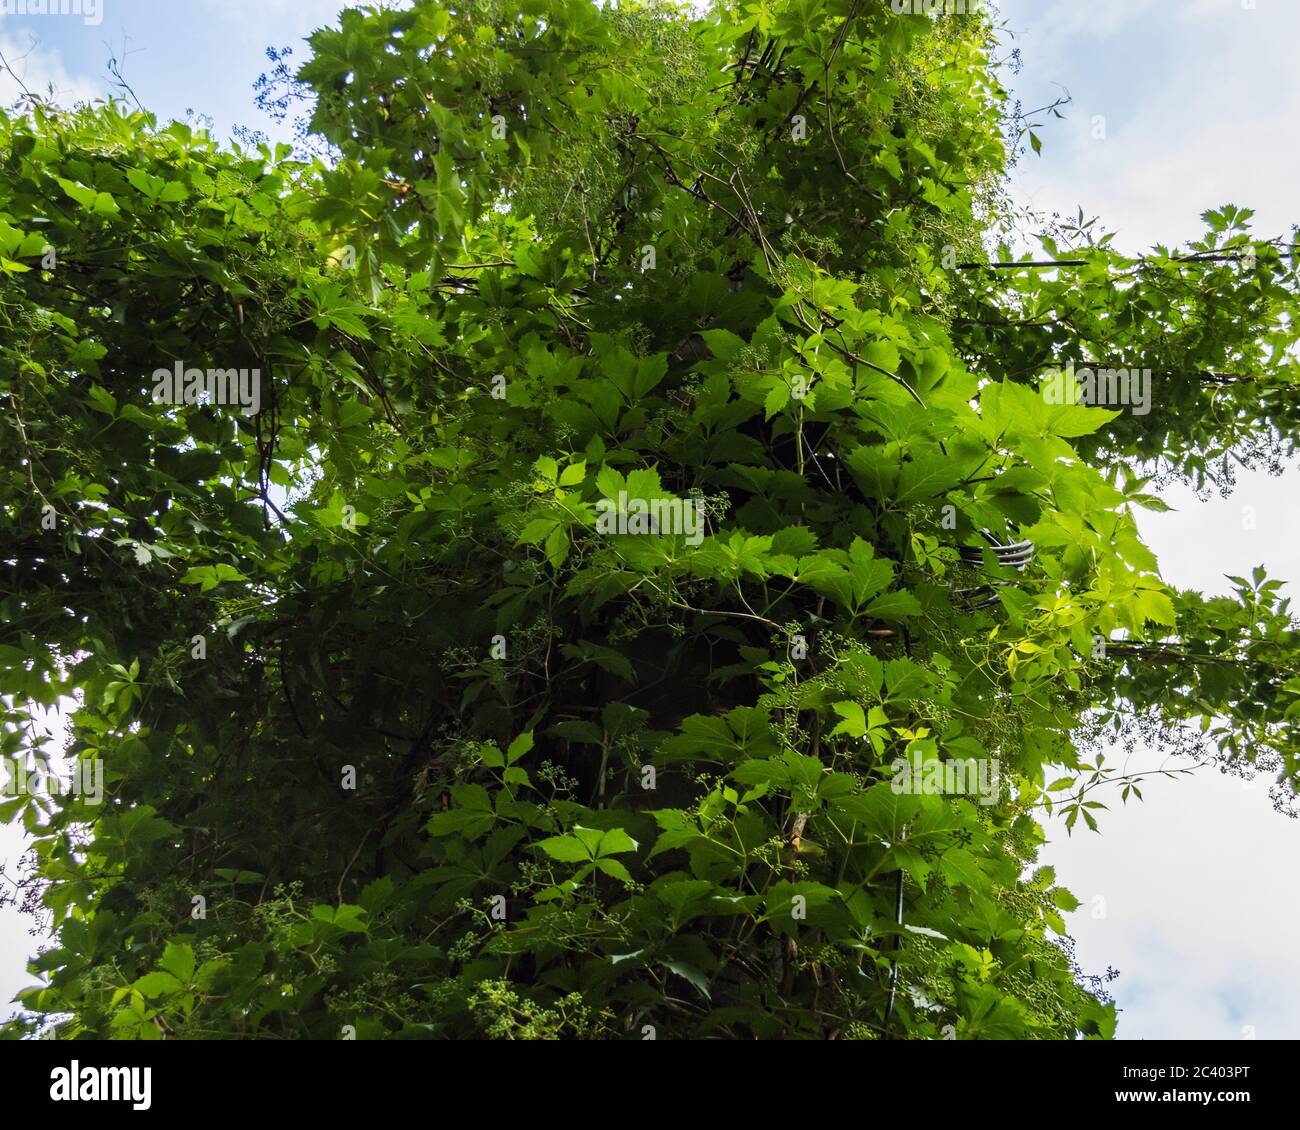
(538, 530)
(893, 606)
(208, 577)
(178, 960)
(79, 192)
(519, 747)
(689, 973)
(616, 840)
(615, 868)
(159, 984)
(573, 474)
(854, 722)
(928, 476)
(567, 849)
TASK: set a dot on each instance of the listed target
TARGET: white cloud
(1194, 115)
(1197, 11)
(40, 67)
(1065, 27)
(1196, 916)
(264, 23)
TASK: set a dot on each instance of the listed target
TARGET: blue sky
(1200, 100)
(177, 55)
